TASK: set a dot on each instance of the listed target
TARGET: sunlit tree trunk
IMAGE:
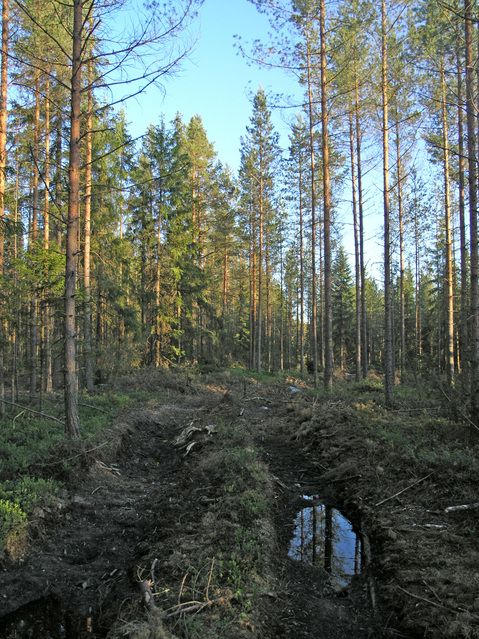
(314, 320)
(34, 236)
(388, 333)
(301, 264)
(72, 421)
(47, 325)
(87, 322)
(260, 277)
(448, 284)
(472, 162)
(402, 319)
(364, 314)
(463, 359)
(357, 269)
(328, 305)
(3, 165)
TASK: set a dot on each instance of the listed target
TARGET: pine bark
(364, 314)
(3, 165)
(463, 332)
(402, 304)
(314, 319)
(87, 320)
(72, 421)
(448, 283)
(301, 262)
(47, 384)
(357, 274)
(328, 305)
(388, 333)
(472, 180)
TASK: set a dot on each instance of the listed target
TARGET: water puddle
(47, 618)
(324, 537)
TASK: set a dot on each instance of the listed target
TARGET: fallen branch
(438, 605)
(403, 490)
(35, 412)
(451, 509)
(459, 410)
(147, 595)
(197, 606)
(84, 452)
(153, 565)
(333, 481)
(94, 408)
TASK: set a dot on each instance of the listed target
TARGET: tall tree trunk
(402, 319)
(364, 314)
(158, 283)
(58, 178)
(314, 318)
(357, 274)
(328, 305)
(388, 333)
(301, 263)
(463, 333)
(72, 421)
(47, 325)
(3, 165)
(281, 310)
(87, 321)
(260, 277)
(34, 234)
(472, 162)
(448, 284)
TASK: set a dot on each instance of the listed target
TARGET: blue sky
(216, 82)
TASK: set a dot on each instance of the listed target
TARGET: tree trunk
(364, 314)
(402, 319)
(471, 144)
(47, 326)
(87, 321)
(72, 421)
(314, 319)
(328, 306)
(388, 334)
(463, 334)
(357, 274)
(3, 164)
(260, 279)
(448, 284)
(301, 263)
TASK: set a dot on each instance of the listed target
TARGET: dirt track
(83, 565)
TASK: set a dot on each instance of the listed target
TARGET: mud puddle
(324, 537)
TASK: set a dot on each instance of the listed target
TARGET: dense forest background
(118, 253)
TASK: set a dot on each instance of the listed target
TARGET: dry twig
(403, 490)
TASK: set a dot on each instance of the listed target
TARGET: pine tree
(260, 156)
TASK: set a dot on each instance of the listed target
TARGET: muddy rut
(81, 567)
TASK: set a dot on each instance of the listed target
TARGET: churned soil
(88, 549)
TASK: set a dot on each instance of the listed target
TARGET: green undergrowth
(36, 459)
(212, 583)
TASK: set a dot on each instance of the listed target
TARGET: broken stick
(147, 595)
(451, 509)
(403, 490)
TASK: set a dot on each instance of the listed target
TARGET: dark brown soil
(84, 565)
(94, 536)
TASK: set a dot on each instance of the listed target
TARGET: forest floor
(181, 528)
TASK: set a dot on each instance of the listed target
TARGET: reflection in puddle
(47, 618)
(324, 537)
